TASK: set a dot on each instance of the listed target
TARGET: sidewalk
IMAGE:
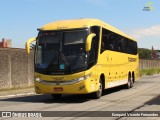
(17, 92)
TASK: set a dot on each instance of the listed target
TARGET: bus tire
(98, 93)
(129, 83)
(57, 96)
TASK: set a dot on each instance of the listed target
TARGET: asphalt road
(144, 96)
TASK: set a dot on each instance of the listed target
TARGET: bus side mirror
(89, 41)
(28, 44)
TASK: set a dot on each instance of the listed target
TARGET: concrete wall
(17, 70)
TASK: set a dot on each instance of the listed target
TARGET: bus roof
(81, 23)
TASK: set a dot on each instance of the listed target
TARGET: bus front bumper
(82, 87)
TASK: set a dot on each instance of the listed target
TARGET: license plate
(58, 89)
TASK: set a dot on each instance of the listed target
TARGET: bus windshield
(60, 52)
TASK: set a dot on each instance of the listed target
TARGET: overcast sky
(19, 19)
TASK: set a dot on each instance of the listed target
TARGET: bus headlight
(37, 79)
(82, 78)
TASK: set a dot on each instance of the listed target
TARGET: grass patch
(149, 71)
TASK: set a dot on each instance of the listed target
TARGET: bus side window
(94, 46)
(105, 40)
(110, 46)
(115, 42)
(102, 47)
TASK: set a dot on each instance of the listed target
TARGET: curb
(20, 94)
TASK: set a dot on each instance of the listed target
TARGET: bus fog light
(82, 87)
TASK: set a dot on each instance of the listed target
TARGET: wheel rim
(129, 82)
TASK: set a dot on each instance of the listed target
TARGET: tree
(144, 53)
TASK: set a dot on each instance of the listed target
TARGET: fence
(17, 70)
(148, 64)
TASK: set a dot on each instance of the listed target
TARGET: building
(155, 54)
(6, 43)
(158, 54)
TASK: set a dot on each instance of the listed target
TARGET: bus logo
(132, 59)
(58, 82)
(57, 78)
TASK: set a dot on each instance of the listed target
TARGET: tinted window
(114, 42)
(74, 37)
(93, 54)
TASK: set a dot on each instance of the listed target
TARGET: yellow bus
(83, 56)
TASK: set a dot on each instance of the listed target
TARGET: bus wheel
(57, 96)
(130, 82)
(98, 93)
